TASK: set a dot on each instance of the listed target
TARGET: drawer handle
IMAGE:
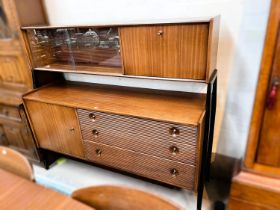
(174, 150)
(160, 33)
(92, 117)
(174, 132)
(72, 129)
(174, 172)
(98, 152)
(95, 133)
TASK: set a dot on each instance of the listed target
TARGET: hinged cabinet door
(165, 50)
(56, 128)
(269, 144)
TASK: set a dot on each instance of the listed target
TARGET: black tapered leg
(211, 131)
(208, 136)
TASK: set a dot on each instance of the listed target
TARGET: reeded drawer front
(137, 135)
(171, 172)
(148, 130)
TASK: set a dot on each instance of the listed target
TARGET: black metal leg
(208, 136)
(211, 131)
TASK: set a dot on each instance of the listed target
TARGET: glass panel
(4, 27)
(81, 49)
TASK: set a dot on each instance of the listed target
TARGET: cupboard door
(165, 50)
(269, 146)
(10, 70)
(56, 128)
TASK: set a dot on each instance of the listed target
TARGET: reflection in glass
(4, 28)
(75, 47)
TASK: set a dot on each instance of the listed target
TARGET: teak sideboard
(161, 135)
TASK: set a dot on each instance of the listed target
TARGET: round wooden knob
(95, 133)
(72, 129)
(174, 172)
(174, 132)
(160, 33)
(174, 150)
(92, 117)
(98, 152)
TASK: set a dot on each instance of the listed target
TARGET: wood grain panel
(18, 193)
(269, 145)
(234, 204)
(9, 112)
(256, 189)
(12, 70)
(263, 86)
(56, 128)
(180, 52)
(140, 135)
(213, 41)
(141, 164)
(181, 108)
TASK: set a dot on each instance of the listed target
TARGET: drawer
(167, 171)
(139, 135)
(165, 149)
(145, 129)
(9, 112)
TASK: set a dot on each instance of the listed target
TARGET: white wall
(243, 24)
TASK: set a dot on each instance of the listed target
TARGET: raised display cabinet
(163, 135)
(168, 50)
(77, 49)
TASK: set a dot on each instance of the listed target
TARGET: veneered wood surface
(269, 143)
(213, 41)
(121, 198)
(182, 108)
(262, 89)
(235, 204)
(82, 68)
(180, 52)
(255, 189)
(56, 128)
(16, 163)
(141, 135)
(31, 15)
(17, 193)
(141, 164)
(15, 74)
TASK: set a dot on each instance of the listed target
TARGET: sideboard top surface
(182, 108)
(130, 23)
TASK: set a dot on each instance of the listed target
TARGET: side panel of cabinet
(269, 147)
(173, 51)
(56, 128)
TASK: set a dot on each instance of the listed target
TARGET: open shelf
(81, 68)
(176, 107)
